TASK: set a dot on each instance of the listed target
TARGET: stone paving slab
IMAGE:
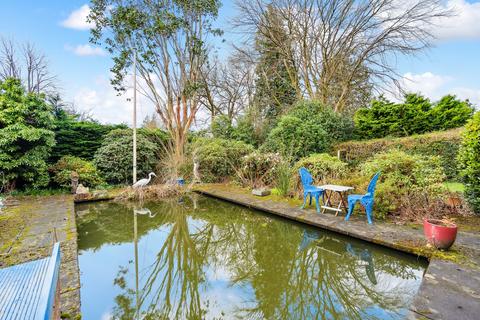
(449, 290)
(44, 219)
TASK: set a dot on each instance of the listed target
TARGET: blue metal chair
(366, 200)
(309, 189)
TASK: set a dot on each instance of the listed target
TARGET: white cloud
(426, 83)
(78, 19)
(103, 103)
(465, 24)
(434, 86)
(86, 50)
(468, 93)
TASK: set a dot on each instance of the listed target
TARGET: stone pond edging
(449, 289)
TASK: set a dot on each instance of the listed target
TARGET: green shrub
(223, 128)
(415, 115)
(26, 136)
(444, 144)
(79, 138)
(403, 174)
(323, 167)
(307, 128)
(114, 158)
(259, 169)
(469, 158)
(450, 112)
(86, 170)
(217, 158)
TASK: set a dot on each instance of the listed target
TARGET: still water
(201, 258)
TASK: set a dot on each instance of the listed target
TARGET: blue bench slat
(27, 290)
(16, 285)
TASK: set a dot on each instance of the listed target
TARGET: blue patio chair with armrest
(309, 189)
(366, 200)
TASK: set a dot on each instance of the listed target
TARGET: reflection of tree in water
(292, 278)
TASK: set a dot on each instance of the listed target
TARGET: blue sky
(57, 29)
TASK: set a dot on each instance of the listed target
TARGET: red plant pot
(440, 234)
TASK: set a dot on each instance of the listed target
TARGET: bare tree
(228, 87)
(26, 63)
(338, 45)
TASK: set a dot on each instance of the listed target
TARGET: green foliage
(323, 167)
(450, 112)
(283, 178)
(259, 169)
(414, 116)
(114, 158)
(79, 138)
(86, 170)
(469, 158)
(218, 158)
(26, 136)
(223, 128)
(444, 144)
(307, 128)
(403, 175)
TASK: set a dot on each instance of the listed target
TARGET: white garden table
(331, 189)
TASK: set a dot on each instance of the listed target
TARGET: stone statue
(74, 181)
(196, 172)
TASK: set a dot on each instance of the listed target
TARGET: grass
(454, 186)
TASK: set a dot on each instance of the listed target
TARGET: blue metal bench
(30, 291)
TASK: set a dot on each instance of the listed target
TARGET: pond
(202, 258)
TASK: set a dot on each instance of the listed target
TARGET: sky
(59, 30)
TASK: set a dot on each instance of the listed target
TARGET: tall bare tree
(169, 38)
(26, 63)
(343, 47)
(228, 87)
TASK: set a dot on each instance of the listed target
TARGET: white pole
(135, 118)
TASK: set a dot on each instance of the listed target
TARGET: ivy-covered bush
(86, 170)
(444, 144)
(114, 158)
(402, 175)
(217, 158)
(309, 127)
(259, 169)
(469, 158)
(415, 115)
(26, 136)
(323, 167)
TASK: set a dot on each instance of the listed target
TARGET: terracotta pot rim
(439, 223)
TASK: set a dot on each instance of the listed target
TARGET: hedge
(444, 144)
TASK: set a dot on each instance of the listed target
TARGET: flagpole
(135, 117)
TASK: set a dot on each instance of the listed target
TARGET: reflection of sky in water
(292, 271)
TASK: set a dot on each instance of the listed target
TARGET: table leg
(327, 202)
(340, 202)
